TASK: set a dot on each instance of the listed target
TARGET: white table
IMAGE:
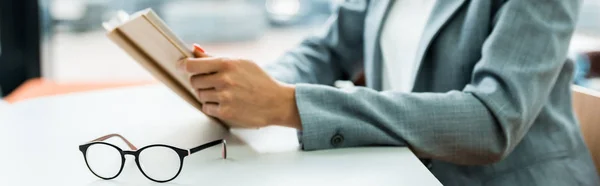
(3, 105)
(39, 140)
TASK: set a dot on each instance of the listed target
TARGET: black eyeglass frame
(135, 152)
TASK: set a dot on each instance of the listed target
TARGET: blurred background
(62, 41)
(256, 29)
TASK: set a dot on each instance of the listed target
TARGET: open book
(146, 38)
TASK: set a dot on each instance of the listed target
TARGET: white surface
(3, 105)
(40, 139)
(400, 40)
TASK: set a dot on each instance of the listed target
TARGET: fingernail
(198, 48)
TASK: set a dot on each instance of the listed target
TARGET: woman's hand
(240, 93)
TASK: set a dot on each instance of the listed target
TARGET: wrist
(289, 115)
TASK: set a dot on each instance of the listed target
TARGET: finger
(207, 81)
(208, 96)
(203, 65)
(199, 52)
(211, 109)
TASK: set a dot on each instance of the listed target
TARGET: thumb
(199, 52)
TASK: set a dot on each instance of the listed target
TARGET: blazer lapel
(442, 12)
(373, 24)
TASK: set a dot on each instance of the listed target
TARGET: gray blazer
(491, 103)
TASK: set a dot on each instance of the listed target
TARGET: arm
(131, 146)
(212, 144)
(521, 60)
(334, 54)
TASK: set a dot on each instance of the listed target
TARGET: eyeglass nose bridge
(128, 152)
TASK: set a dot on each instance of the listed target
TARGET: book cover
(147, 39)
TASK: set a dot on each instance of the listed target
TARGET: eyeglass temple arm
(212, 144)
(119, 136)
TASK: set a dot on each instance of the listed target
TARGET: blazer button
(337, 140)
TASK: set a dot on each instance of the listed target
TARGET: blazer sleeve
(333, 54)
(480, 124)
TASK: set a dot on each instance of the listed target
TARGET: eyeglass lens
(159, 163)
(104, 161)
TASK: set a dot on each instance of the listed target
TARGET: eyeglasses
(159, 163)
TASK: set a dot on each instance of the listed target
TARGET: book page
(168, 33)
(141, 32)
(148, 63)
(151, 43)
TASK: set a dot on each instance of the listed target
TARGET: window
(589, 17)
(585, 45)
(587, 34)
(256, 29)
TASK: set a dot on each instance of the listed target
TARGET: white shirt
(399, 42)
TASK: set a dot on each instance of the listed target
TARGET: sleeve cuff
(316, 133)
